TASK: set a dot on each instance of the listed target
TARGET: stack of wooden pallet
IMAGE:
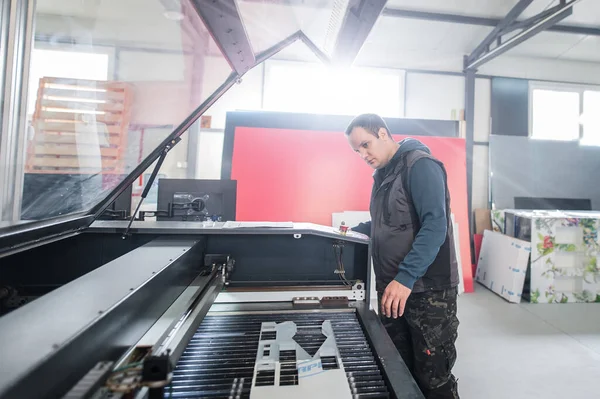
(80, 127)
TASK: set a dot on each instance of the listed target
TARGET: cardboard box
(483, 220)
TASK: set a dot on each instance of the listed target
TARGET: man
(413, 252)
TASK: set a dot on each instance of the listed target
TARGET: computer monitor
(196, 200)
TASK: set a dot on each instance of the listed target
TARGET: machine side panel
(40, 270)
(284, 259)
(94, 318)
(394, 369)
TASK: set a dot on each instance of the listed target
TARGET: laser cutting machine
(194, 304)
(205, 310)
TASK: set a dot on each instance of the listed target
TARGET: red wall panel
(305, 176)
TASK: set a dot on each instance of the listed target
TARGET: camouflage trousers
(425, 337)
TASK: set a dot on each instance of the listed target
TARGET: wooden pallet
(80, 127)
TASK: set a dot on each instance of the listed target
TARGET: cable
(340, 271)
(346, 282)
(128, 366)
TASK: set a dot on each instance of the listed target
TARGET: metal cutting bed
(223, 351)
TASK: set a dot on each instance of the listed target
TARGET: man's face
(375, 151)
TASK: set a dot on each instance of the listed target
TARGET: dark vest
(395, 224)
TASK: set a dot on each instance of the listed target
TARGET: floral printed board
(498, 220)
(564, 258)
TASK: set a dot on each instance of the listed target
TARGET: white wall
(432, 96)
(543, 69)
(481, 134)
(136, 66)
(435, 96)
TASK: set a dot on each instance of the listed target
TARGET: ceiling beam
(314, 48)
(358, 21)
(510, 18)
(484, 53)
(224, 22)
(481, 21)
(273, 50)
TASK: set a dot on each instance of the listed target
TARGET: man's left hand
(394, 299)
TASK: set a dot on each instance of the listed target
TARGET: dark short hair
(370, 122)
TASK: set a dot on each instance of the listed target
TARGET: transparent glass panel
(109, 80)
(322, 24)
(590, 118)
(267, 22)
(270, 21)
(555, 115)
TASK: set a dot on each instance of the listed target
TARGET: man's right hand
(394, 299)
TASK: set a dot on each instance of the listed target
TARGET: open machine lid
(231, 36)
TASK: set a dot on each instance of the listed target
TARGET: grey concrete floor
(513, 351)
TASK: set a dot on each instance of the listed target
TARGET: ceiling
(586, 12)
(448, 42)
(394, 42)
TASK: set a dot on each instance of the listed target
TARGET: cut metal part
(295, 361)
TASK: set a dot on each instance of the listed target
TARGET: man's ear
(382, 134)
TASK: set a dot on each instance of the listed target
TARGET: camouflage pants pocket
(433, 326)
(433, 371)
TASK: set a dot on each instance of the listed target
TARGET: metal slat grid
(223, 350)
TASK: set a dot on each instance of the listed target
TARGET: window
(555, 115)
(564, 112)
(590, 118)
(63, 64)
(322, 90)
